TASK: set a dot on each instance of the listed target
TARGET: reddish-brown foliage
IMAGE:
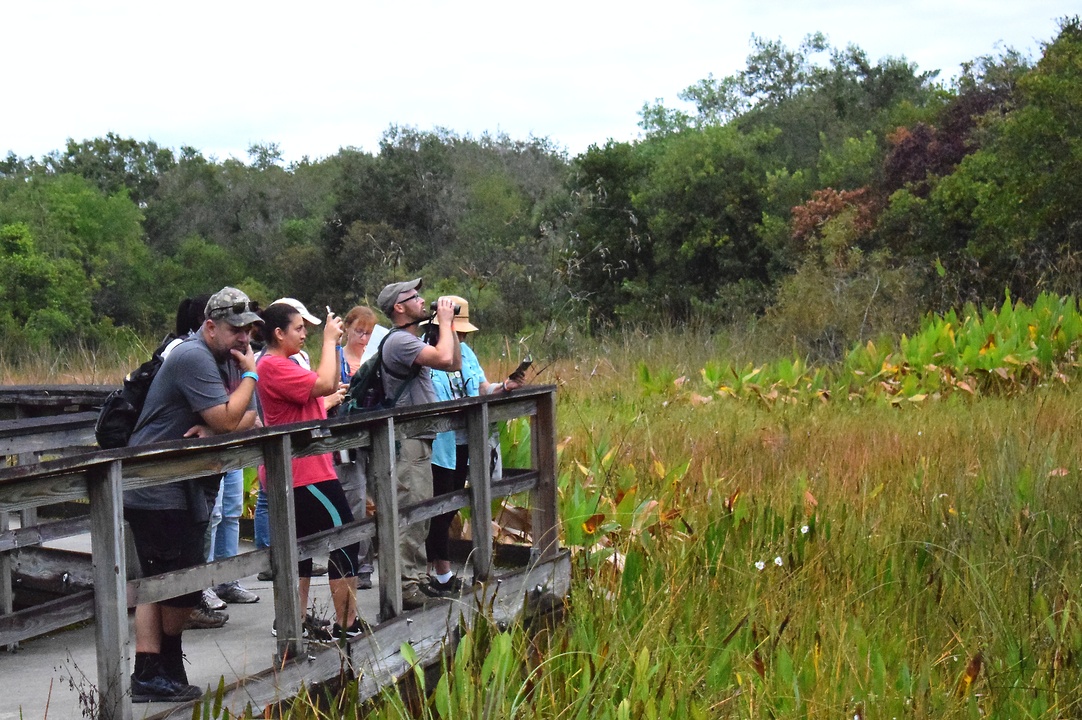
(827, 204)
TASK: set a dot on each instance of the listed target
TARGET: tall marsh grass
(735, 558)
(751, 560)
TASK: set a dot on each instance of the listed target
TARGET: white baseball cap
(299, 306)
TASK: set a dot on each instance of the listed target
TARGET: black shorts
(167, 540)
(322, 506)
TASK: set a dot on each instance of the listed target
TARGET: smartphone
(520, 371)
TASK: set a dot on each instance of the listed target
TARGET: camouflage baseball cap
(232, 306)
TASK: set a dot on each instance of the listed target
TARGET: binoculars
(432, 308)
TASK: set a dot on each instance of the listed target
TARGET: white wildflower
(803, 529)
(759, 565)
(777, 561)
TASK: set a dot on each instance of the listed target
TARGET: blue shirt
(451, 386)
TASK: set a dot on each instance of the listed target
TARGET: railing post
(480, 476)
(7, 594)
(384, 474)
(546, 536)
(278, 461)
(106, 492)
(29, 516)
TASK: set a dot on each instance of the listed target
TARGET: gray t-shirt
(188, 382)
(399, 351)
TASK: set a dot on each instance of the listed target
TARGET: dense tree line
(833, 196)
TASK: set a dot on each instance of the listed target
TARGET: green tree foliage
(607, 249)
(77, 226)
(814, 186)
(703, 199)
(41, 298)
(1005, 215)
(113, 163)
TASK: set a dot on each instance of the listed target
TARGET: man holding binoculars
(406, 361)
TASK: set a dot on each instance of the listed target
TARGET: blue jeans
(262, 521)
(224, 529)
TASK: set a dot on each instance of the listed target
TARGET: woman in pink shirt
(289, 393)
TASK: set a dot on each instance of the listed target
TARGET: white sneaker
(211, 599)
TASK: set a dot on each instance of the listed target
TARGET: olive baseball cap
(388, 296)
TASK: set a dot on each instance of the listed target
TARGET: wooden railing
(25, 401)
(101, 477)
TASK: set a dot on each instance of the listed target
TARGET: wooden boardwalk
(376, 659)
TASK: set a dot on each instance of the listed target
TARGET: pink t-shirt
(285, 393)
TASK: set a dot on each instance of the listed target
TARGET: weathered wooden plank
(377, 658)
(39, 425)
(42, 490)
(480, 479)
(288, 612)
(513, 407)
(515, 481)
(110, 608)
(384, 482)
(543, 440)
(232, 447)
(54, 394)
(52, 441)
(42, 533)
(7, 594)
(41, 400)
(51, 564)
(46, 617)
(33, 435)
(66, 570)
(142, 591)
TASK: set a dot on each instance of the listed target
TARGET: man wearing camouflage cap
(206, 386)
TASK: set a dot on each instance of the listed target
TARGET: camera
(432, 308)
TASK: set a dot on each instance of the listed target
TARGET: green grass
(917, 560)
(742, 558)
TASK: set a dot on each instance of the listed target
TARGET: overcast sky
(317, 76)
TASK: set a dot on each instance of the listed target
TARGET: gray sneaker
(203, 618)
(212, 601)
(236, 593)
(413, 598)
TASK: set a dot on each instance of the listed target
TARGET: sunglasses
(235, 309)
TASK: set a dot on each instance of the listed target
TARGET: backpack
(366, 392)
(120, 411)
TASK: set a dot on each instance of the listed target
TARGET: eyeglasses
(362, 333)
(414, 296)
(236, 308)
